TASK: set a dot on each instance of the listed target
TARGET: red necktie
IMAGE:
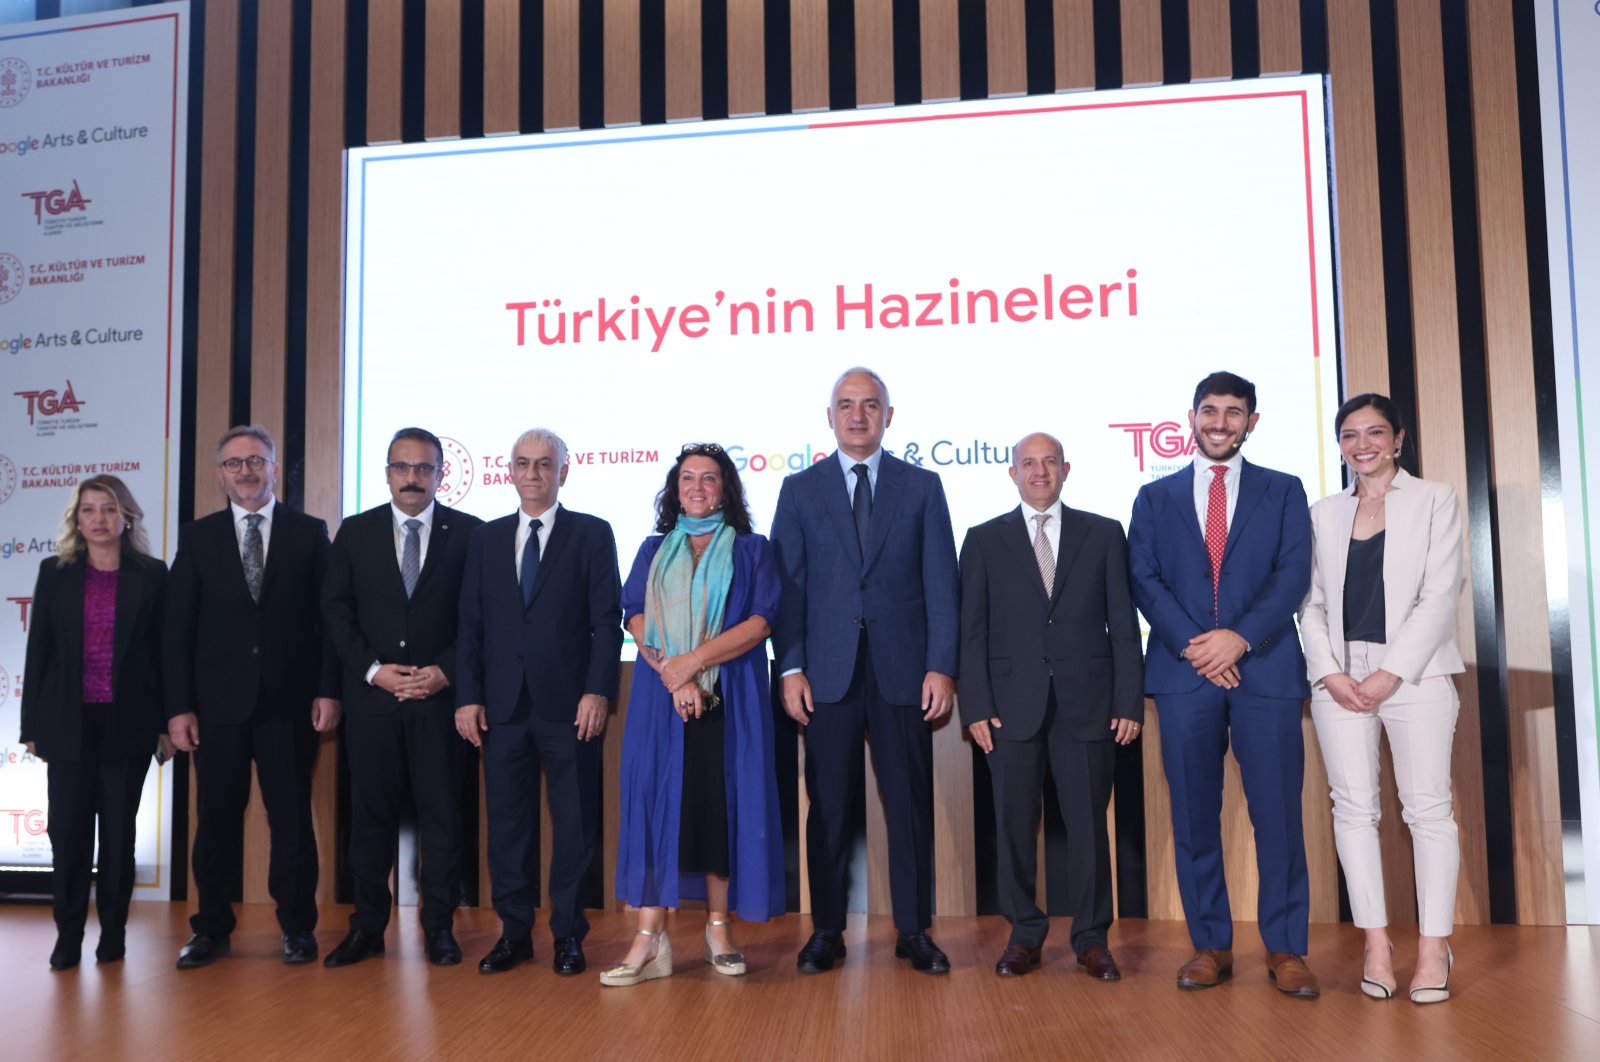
(1217, 530)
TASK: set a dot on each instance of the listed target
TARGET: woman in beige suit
(1379, 627)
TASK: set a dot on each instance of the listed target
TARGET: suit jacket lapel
(437, 537)
(1252, 488)
(1017, 534)
(233, 559)
(130, 592)
(886, 499)
(836, 503)
(1336, 551)
(282, 523)
(1183, 488)
(1074, 529)
(560, 535)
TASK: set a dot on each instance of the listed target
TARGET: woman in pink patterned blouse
(91, 703)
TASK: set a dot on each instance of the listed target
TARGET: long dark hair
(1389, 412)
(735, 509)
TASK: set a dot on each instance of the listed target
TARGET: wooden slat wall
(1425, 229)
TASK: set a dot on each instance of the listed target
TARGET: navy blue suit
(528, 665)
(1266, 571)
(866, 625)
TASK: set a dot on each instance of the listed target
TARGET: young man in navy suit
(389, 603)
(1220, 559)
(538, 655)
(866, 640)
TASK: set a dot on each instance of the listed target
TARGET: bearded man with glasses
(246, 678)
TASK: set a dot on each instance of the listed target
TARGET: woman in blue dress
(699, 794)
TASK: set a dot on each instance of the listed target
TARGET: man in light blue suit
(867, 640)
(1220, 558)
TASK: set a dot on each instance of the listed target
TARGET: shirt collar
(1029, 512)
(400, 518)
(848, 463)
(546, 519)
(1202, 463)
(240, 512)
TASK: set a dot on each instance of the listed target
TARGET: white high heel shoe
(1437, 993)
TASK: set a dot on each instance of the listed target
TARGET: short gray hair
(546, 436)
(249, 431)
(860, 370)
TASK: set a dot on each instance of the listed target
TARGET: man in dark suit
(537, 654)
(390, 604)
(866, 639)
(1220, 559)
(246, 677)
(1050, 674)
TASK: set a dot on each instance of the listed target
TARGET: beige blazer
(1422, 581)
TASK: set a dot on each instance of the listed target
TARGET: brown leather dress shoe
(1097, 962)
(1292, 975)
(1209, 968)
(1016, 960)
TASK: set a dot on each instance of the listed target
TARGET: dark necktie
(1217, 531)
(862, 503)
(530, 562)
(411, 559)
(254, 562)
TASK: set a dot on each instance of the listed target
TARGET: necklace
(1376, 509)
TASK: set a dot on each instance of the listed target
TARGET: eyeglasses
(699, 450)
(255, 463)
(404, 468)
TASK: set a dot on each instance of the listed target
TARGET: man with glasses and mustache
(390, 605)
(247, 680)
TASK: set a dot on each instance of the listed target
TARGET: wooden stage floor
(1519, 993)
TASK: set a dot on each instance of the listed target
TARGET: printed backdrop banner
(1071, 264)
(1569, 105)
(93, 113)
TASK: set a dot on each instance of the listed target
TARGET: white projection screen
(1071, 264)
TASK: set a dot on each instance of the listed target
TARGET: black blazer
(1017, 644)
(567, 642)
(224, 655)
(368, 616)
(52, 695)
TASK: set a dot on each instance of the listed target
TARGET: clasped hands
(1215, 654)
(678, 674)
(1364, 696)
(410, 683)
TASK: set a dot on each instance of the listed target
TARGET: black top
(1363, 591)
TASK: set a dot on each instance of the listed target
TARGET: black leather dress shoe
(357, 945)
(1016, 960)
(66, 955)
(569, 957)
(299, 948)
(924, 954)
(202, 950)
(110, 949)
(820, 952)
(505, 954)
(442, 947)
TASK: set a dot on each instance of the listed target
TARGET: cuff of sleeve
(373, 671)
(792, 671)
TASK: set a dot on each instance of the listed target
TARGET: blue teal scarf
(684, 603)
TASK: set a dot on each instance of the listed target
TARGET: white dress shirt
(240, 526)
(1202, 485)
(547, 520)
(423, 534)
(849, 463)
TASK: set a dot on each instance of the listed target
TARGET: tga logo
(50, 403)
(22, 603)
(776, 461)
(16, 81)
(455, 477)
(13, 278)
(57, 201)
(1166, 439)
